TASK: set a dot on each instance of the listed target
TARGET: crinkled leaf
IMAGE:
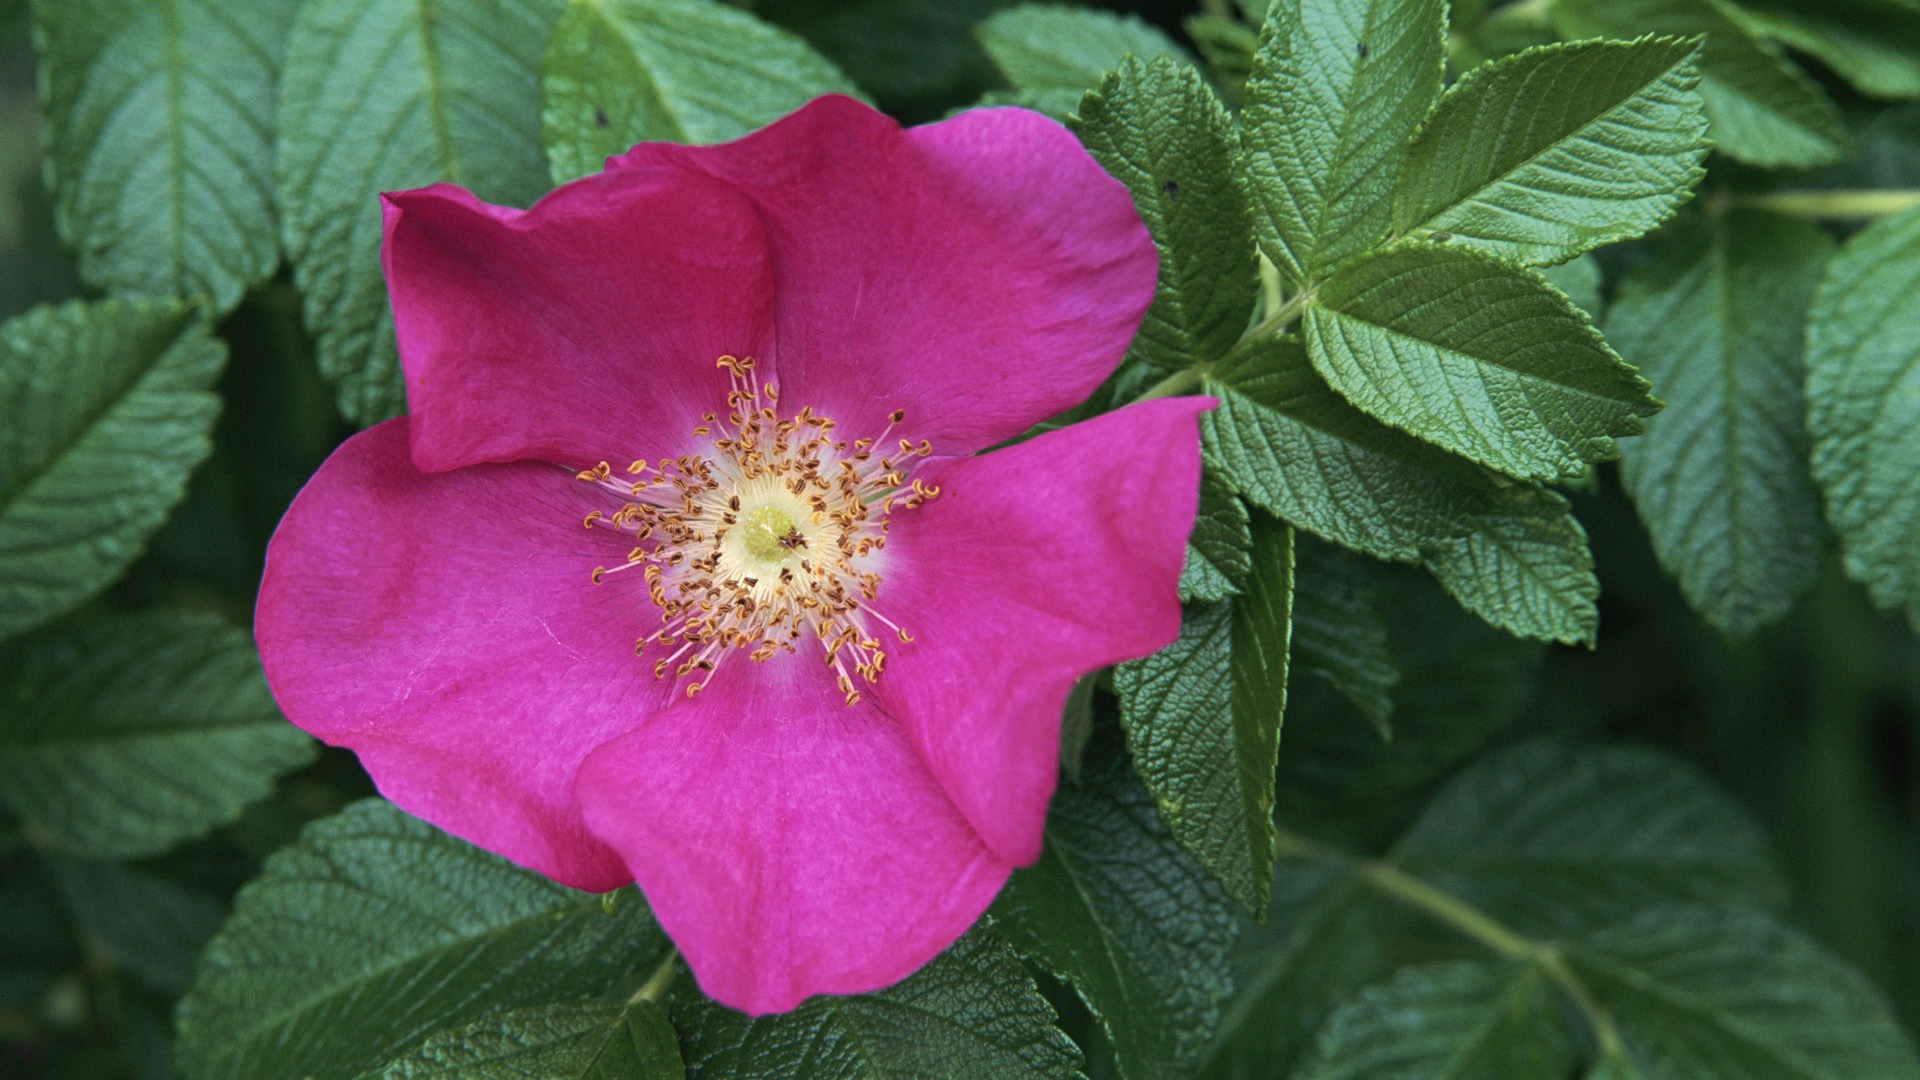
(1159, 129)
(1219, 551)
(1468, 1020)
(620, 72)
(1873, 44)
(1558, 150)
(1715, 318)
(1524, 567)
(1227, 45)
(1337, 89)
(1472, 354)
(1863, 406)
(377, 930)
(582, 1040)
(973, 1013)
(138, 922)
(1054, 54)
(108, 409)
(382, 95)
(1338, 631)
(160, 140)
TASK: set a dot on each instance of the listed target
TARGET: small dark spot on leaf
(1171, 190)
(600, 116)
(1440, 237)
(1363, 50)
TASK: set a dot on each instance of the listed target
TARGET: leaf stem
(1832, 205)
(656, 985)
(1281, 317)
(1180, 382)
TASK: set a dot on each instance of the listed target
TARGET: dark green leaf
(1055, 54)
(584, 1040)
(1541, 156)
(1579, 279)
(160, 140)
(1472, 354)
(620, 72)
(382, 95)
(377, 930)
(1525, 567)
(1873, 44)
(1219, 551)
(1469, 1020)
(108, 409)
(137, 922)
(1715, 318)
(1338, 633)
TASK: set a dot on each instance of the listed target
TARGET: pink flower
(798, 668)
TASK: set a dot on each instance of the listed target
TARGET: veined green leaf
(1468, 1020)
(582, 1040)
(1338, 633)
(1863, 406)
(620, 72)
(1337, 89)
(1873, 44)
(1474, 355)
(160, 140)
(973, 1013)
(1715, 318)
(141, 924)
(1558, 150)
(124, 736)
(1524, 567)
(1159, 129)
(381, 95)
(1227, 45)
(1219, 552)
(109, 408)
(1054, 54)
(1579, 279)
(377, 930)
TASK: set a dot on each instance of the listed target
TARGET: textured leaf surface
(620, 72)
(1338, 632)
(1054, 54)
(1472, 354)
(1762, 109)
(383, 95)
(973, 1013)
(1863, 406)
(1579, 279)
(1116, 907)
(1337, 89)
(108, 409)
(376, 930)
(1159, 129)
(586, 1040)
(1525, 567)
(1220, 549)
(1471, 1020)
(160, 140)
(1300, 451)
(1555, 151)
(1715, 318)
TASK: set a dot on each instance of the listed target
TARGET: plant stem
(1832, 205)
(1281, 317)
(656, 985)
(1180, 382)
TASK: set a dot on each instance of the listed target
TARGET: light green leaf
(1468, 1020)
(1863, 406)
(1762, 109)
(383, 95)
(377, 930)
(160, 140)
(1159, 129)
(1472, 354)
(1219, 551)
(1054, 54)
(1708, 992)
(1297, 449)
(1555, 151)
(1715, 318)
(1525, 567)
(1202, 718)
(1227, 45)
(137, 922)
(1338, 633)
(973, 1013)
(620, 72)
(1579, 279)
(582, 1040)
(1117, 908)
(1337, 89)
(1873, 44)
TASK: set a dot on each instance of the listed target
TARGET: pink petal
(791, 845)
(583, 329)
(1035, 565)
(981, 273)
(446, 628)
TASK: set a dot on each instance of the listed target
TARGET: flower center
(766, 540)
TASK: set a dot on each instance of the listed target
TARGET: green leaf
(1468, 1020)
(383, 95)
(1873, 44)
(1525, 568)
(1472, 354)
(1227, 45)
(1715, 318)
(142, 924)
(108, 410)
(1055, 54)
(126, 735)
(1762, 109)
(377, 930)
(1337, 89)
(1159, 129)
(1579, 279)
(1116, 907)
(1863, 382)
(1219, 551)
(1707, 992)
(160, 140)
(1551, 837)
(1555, 151)
(620, 72)
(1297, 449)
(973, 1013)
(1202, 718)
(1338, 633)
(582, 1040)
